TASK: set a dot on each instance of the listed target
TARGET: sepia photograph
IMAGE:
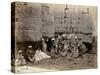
(49, 37)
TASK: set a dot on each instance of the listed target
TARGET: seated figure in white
(40, 55)
(20, 61)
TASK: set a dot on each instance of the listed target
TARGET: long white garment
(44, 55)
(39, 55)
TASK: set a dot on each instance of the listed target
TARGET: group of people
(64, 46)
(30, 56)
(35, 55)
(54, 46)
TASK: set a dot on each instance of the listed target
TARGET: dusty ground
(88, 61)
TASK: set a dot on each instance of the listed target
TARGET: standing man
(80, 47)
(44, 45)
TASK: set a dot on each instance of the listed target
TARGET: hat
(42, 39)
(20, 51)
(76, 37)
(30, 46)
(53, 39)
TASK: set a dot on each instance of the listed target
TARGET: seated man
(20, 61)
(30, 54)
